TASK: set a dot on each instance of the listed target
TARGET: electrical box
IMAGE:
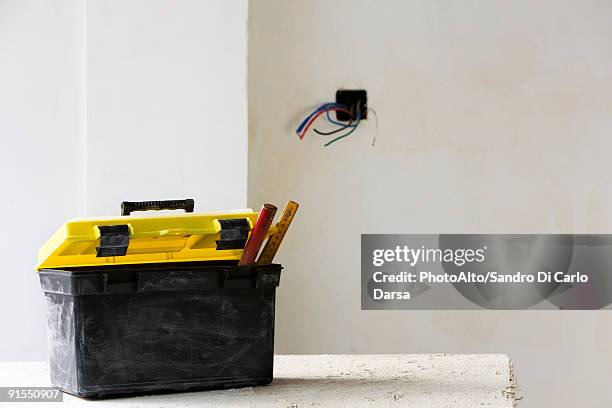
(352, 98)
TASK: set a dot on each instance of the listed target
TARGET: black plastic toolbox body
(133, 329)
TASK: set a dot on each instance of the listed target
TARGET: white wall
(166, 92)
(41, 102)
(495, 116)
(105, 101)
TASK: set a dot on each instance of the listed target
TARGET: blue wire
(307, 118)
(320, 108)
(335, 122)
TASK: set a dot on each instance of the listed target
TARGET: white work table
(406, 380)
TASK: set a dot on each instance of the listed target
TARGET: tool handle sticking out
(258, 234)
(271, 248)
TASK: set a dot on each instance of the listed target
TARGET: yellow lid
(152, 239)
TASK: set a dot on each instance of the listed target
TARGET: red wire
(311, 121)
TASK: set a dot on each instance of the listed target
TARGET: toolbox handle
(128, 207)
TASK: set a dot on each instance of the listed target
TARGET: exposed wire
(357, 120)
(314, 117)
(340, 137)
(333, 132)
(352, 124)
(303, 123)
(344, 126)
(320, 108)
(335, 122)
(375, 125)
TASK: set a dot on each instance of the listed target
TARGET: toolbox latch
(234, 234)
(114, 240)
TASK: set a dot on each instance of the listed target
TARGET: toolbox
(157, 303)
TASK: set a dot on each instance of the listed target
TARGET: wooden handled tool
(258, 234)
(267, 254)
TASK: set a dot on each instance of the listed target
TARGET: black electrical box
(353, 98)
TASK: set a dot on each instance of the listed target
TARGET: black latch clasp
(114, 240)
(234, 234)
